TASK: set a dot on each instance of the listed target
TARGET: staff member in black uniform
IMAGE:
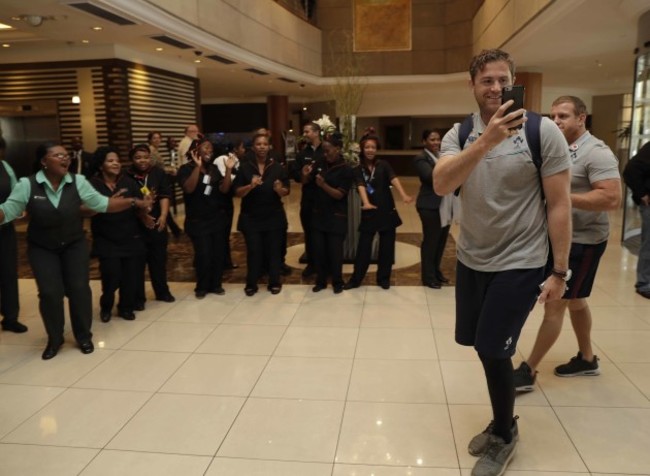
(58, 251)
(239, 150)
(434, 235)
(311, 155)
(117, 237)
(205, 192)
(330, 213)
(152, 181)
(9, 304)
(373, 179)
(261, 184)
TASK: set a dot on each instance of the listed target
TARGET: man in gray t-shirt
(595, 189)
(502, 247)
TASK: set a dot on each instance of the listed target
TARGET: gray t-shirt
(503, 224)
(592, 161)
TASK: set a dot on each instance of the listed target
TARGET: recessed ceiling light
(5, 27)
(160, 48)
(85, 41)
(6, 45)
(97, 28)
(197, 60)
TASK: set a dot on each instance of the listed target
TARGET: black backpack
(533, 137)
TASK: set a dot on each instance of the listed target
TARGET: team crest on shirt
(508, 343)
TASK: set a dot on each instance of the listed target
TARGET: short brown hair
(579, 107)
(490, 56)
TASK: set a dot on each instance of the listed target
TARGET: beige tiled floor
(369, 382)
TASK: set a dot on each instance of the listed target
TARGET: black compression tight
(500, 380)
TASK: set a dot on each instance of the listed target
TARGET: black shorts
(491, 308)
(583, 261)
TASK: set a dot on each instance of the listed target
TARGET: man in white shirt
(192, 132)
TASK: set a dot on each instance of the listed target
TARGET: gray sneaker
(496, 458)
(479, 444)
(524, 378)
(578, 366)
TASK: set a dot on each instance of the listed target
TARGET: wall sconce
(76, 100)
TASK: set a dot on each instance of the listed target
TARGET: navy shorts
(583, 261)
(491, 308)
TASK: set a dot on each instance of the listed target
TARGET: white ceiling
(576, 44)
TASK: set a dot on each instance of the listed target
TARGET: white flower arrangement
(326, 125)
(351, 153)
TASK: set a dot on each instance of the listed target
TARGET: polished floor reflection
(368, 382)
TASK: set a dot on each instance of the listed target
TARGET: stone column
(278, 120)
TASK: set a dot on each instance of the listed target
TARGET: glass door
(639, 135)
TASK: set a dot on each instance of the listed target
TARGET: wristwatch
(564, 275)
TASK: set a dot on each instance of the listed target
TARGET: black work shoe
(318, 288)
(104, 315)
(139, 306)
(219, 291)
(200, 294)
(127, 315)
(350, 285)
(87, 347)
(166, 298)
(433, 285)
(14, 326)
(51, 350)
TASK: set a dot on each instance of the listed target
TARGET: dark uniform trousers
(208, 259)
(328, 256)
(155, 257)
(434, 238)
(385, 256)
(9, 305)
(71, 263)
(261, 244)
(306, 217)
(119, 273)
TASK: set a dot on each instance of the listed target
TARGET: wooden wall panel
(54, 84)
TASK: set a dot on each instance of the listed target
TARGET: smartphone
(516, 93)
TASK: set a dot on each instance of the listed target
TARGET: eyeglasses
(60, 156)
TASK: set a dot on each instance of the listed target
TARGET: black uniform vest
(51, 227)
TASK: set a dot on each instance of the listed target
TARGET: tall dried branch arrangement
(349, 85)
(348, 89)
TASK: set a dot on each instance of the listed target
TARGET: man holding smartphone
(503, 241)
(595, 190)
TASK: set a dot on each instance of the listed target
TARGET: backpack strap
(533, 138)
(465, 130)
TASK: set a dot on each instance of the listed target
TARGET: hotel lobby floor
(368, 382)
